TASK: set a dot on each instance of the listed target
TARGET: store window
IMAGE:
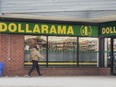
(107, 50)
(88, 51)
(30, 42)
(62, 51)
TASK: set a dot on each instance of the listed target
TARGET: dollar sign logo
(86, 31)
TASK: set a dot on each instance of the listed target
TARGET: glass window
(31, 41)
(88, 51)
(107, 50)
(62, 51)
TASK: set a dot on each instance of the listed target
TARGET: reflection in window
(62, 50)
(30, 42)
(88, 51)
(107, 50)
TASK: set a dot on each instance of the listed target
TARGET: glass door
(113, 56)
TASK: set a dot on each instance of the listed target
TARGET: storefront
(70, 48)
(108, 32)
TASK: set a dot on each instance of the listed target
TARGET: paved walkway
(65, 81)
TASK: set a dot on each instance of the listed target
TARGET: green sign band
(108, 29)
(48, 29)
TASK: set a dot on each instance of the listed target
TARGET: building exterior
(73, 46)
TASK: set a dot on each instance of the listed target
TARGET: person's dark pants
(35, 65)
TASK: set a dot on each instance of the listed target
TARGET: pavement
(59, 81)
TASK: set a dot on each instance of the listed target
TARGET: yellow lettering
(103, 30)
(114, 28)
(107, 30)
(36, 29)
(3, 27)
(27, 29)
(62, 30)
(53, 29)
(12, 27)
(70, 30)
(111, 30)
(19, 28)
(44, 29)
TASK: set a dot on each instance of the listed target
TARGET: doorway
(113, 56)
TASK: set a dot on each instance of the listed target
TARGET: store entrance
(113, 56)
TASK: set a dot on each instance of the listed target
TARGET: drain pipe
(9, 43)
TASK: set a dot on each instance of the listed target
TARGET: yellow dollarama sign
(47, 29)
(12, 27)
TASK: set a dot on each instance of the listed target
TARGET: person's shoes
(41, 75)
(28, 75)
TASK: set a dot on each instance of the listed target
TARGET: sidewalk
(65, 81)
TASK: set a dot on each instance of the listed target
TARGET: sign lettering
(48, 29)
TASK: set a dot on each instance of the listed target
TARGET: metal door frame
(112, 56)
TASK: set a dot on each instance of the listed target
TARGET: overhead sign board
(48, 29)
(108, 29)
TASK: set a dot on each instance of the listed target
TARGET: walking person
(35, 56)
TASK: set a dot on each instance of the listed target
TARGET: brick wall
(71, 71)
(12, 45)
(104, 71)
(12, 53)
(74, 71)
(0, 46)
